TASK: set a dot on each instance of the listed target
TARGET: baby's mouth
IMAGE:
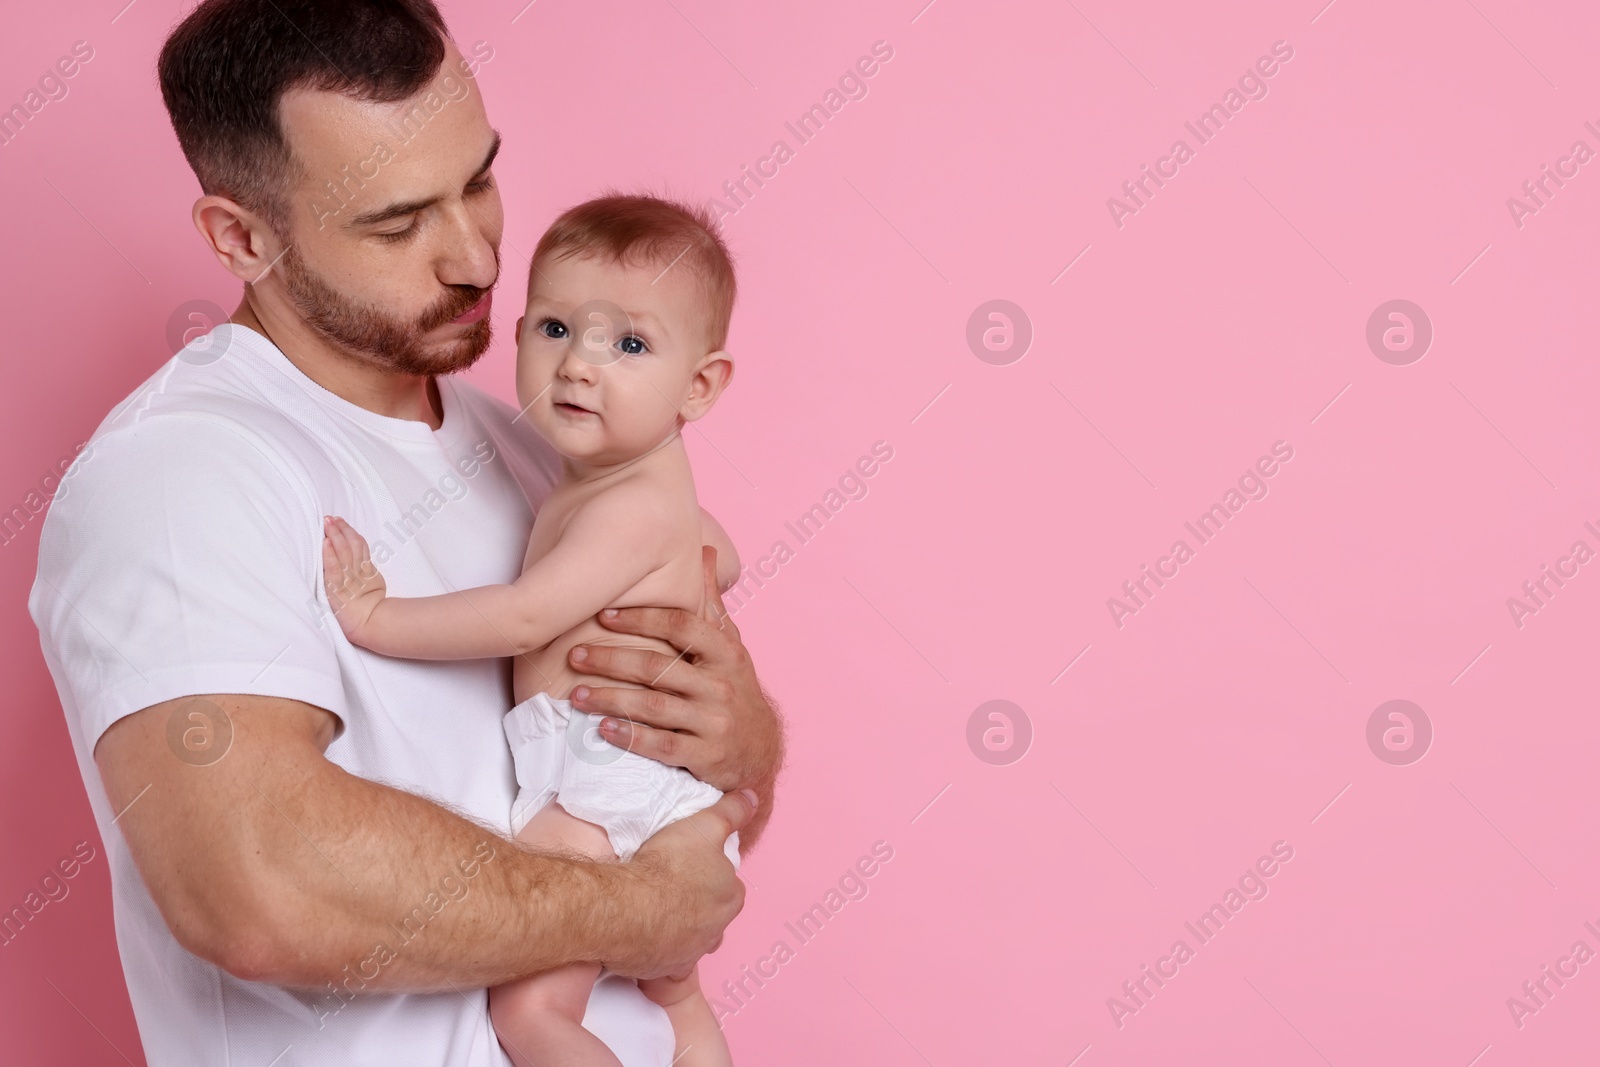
(572, 409)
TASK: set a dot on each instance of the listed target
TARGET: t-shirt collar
(231, 333)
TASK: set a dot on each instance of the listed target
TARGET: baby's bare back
(678, 582)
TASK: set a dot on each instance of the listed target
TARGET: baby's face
(608, 356)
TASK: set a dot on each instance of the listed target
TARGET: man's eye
(552, 329)
(632, 346)
(398, 235)
(482, 185)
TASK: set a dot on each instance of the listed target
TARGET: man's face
(395, 223)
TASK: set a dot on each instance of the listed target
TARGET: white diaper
(560, 755)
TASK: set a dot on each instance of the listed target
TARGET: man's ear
(240, 239)
(710, 379)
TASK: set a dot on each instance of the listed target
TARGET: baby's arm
(608, 545)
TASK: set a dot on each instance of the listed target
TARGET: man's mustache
(454, 304)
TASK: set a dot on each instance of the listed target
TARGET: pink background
(1223, 317)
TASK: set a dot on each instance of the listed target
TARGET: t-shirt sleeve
(179, 558)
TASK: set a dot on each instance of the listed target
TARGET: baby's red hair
(643, 230)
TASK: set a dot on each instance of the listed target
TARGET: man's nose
(473, 258)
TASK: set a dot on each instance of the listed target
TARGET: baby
(629, 299)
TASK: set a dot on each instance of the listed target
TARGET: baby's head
(629, 299)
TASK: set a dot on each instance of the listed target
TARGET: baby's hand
(355, 588)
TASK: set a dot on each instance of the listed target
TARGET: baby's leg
(694, 1025)
(539, 1020)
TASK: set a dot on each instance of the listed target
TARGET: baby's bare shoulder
(638, 500)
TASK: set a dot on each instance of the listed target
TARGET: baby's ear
(710, 379)
(520, 320)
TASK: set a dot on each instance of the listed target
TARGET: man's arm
(705, 711)
(279, 866)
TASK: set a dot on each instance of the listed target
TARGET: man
(306, 839)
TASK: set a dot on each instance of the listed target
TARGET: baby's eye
(633, 346)
(552, 329)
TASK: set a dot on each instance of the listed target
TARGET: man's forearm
(282, 867)
(407, 895)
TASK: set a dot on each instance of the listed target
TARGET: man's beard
(375, 337)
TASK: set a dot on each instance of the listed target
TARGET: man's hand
(685, 862)
(704, 710)
(713, 535)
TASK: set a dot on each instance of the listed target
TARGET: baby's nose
(581, 362)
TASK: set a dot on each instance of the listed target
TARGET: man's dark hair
(228, 64)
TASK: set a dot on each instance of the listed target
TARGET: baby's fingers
(332, 566)
(355, 544)
(334, 545)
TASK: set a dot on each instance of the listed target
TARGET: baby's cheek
(532, 380)
(648, 411)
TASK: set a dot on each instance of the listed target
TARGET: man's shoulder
(198, 430)
(217, 415)
(221, 380)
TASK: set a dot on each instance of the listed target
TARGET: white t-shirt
(182, 556)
